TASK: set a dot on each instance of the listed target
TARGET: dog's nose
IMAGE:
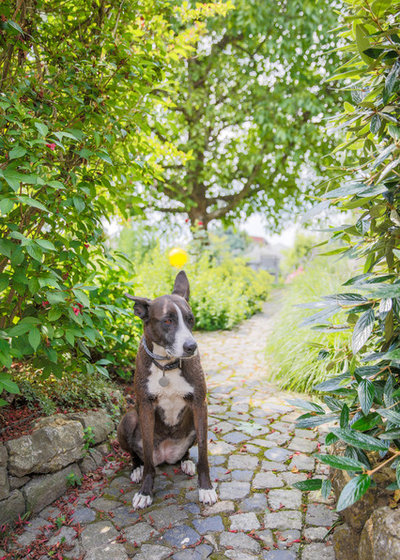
(189, 346)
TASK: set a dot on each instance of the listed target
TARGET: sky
(254, 226)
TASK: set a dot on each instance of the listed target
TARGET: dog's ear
(141, 307)
(181, 286)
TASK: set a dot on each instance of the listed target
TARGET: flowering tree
(247, 114)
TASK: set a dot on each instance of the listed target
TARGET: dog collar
(163, 381)
(151, 354)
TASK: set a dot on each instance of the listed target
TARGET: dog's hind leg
(187, 466)
(126, 436)
(207, 494)
(144, 497)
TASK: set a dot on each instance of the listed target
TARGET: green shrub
(225, 294)
(299, 358)
(78, 86)
(221, 294)
(364, 399)
(120, 332)
(72, 391)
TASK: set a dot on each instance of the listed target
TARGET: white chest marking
(170, 398)
(182, 334)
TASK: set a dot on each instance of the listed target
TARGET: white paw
(208, 496)
(137, 474)
(141, 501)
(188, 467)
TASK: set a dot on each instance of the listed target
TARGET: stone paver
(256, 453)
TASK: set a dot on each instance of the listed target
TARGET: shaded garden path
(255, 455)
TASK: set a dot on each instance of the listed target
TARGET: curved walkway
(256, 453)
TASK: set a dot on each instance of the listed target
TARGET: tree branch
(171, 210)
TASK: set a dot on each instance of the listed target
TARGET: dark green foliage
(369, 390)
(78, 82)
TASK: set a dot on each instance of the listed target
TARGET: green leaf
(344, 416)
(42, 128)
(33, 285)
(45, 244)
(362, 42)
(13, 178)
(326, 488)
(366, 394)
(82, 297)
(362, 330)
(391, 79)
(391, 415)
(317, 420)
(78, 203)
(32, 202)
(9, 385)
(69, 335)
(5, 359)
(390, 434)
(34, 338)
(35, 252)
(331, 385)
(15, 26)
(54, 314)
(55, 297)
(4, 281)
(6, 206)
(375, 124)
(398, 474)
(353, 491)
(105, 157)
(309, 485)
(339, 462)
(16, 152)
(367, 422)
(307, 405)
(358, 439)
(19, 329)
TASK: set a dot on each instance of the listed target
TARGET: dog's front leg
(144, 497)
(207, 494)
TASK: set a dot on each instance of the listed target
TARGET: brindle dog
(171, 409)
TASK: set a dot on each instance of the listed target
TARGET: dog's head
(168, 320)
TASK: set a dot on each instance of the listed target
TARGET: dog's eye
(167, 322)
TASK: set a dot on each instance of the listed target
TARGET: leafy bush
(72, 391)
(364, 399)
(78, 85)
(221, 294)
(120, 332)
(225, 294)
(299, 359)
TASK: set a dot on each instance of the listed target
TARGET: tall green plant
(79, 81)
(299, 360)
(365, 399)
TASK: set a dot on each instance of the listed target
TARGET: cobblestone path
(255, 455)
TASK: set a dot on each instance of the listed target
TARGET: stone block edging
(34, 467)
(370, 531)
